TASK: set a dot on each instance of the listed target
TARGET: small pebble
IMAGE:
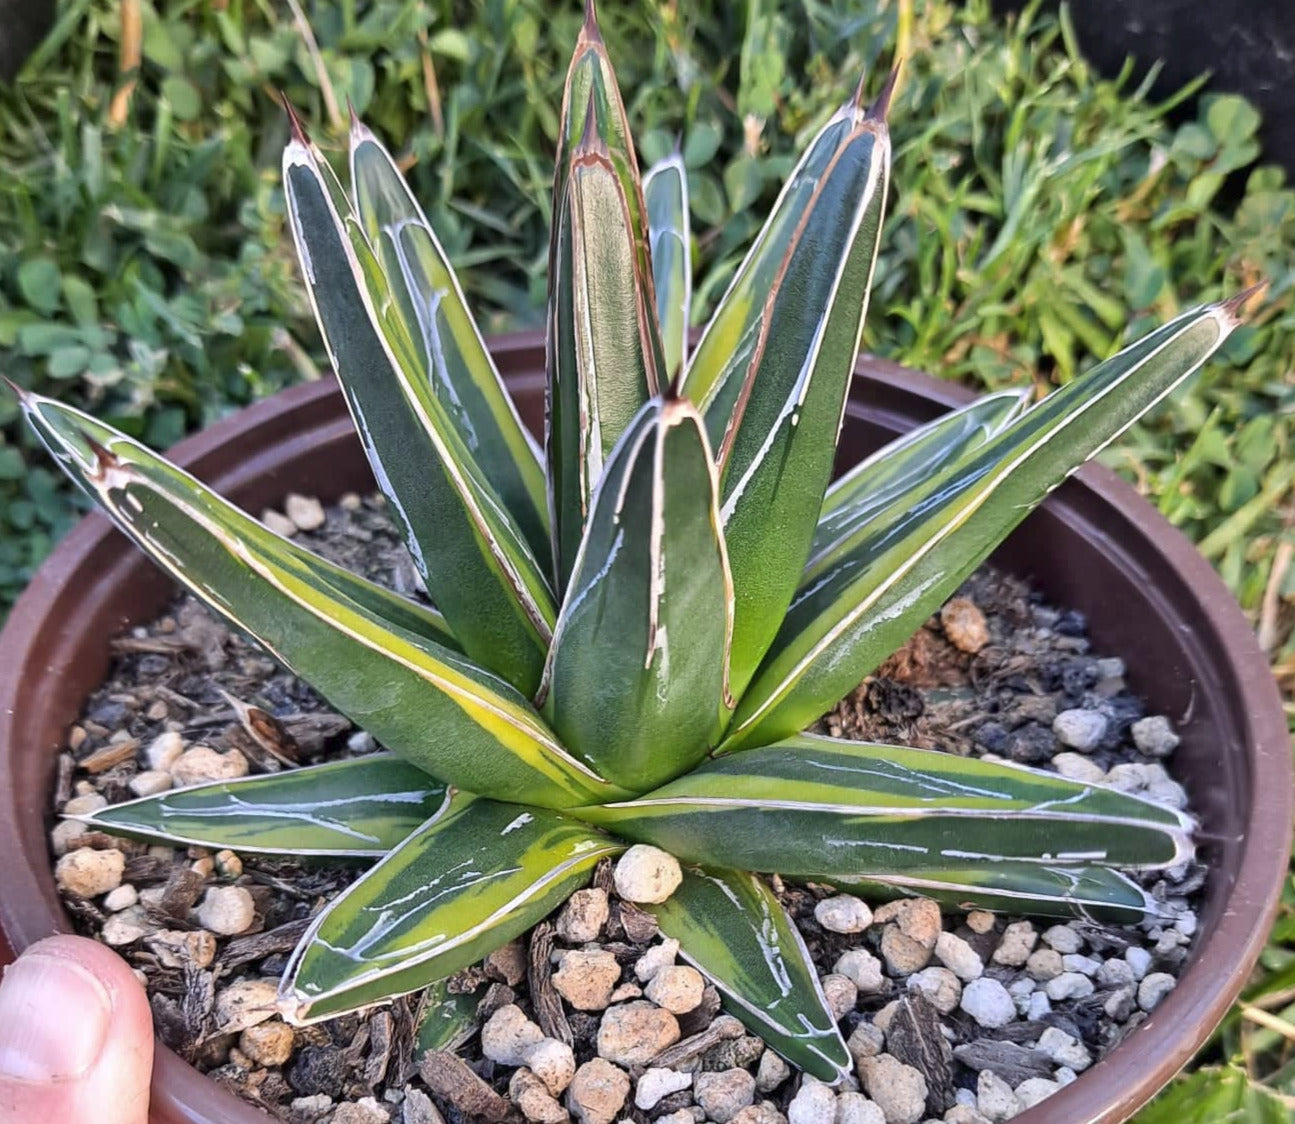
(150, 782)
(508, 1035)
(164, 750)
(177, 948)
(995, 1099)
(1039, 1006)
(306, 512)
(843, 913)
(1139, 959)
(866, 1041)
(583, 916)
(964, 625)
(724, 1094)
(84, 805)
(126, 927)
(1154, 736)
(1035, 1090)
(245, 1003)
(123, 897)
(862, 969)
(1153, 989)
(814, 1103)
(898, 1089)
(1069, 985)
(1063, 938)
(657, 1083)
(585, 979)
(598, 1092)
(1081, 730)
(647, 874)
(841, 994)
(988, 1002)
(1076, 767)
(227, 910)
(1065, 1049)
(553, 1062)
(980, 921)
(677, 988)
(268, 1043)
(1045, 964)
(364, 1111)
(657, 957)
(534, 1100)
(634, 1033)
(940, 986)
(771, 1072)
(201, 765)
(855, 1108)
(958, 956)
(87, 873)
(1016, 944)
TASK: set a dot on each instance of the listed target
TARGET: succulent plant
(633, 626)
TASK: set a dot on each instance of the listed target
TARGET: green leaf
(452, 357)
(474, 560)
(665, 192)
(734, 930)
(379, 659)
(921, 549)
(814, 807)
(868, 489)
(360, 807)
(637, 679)
(770, 373)
(605, 358)
(1222, 1095)
(445, 1019)
(471, 879)
(1094, 893)
(40, 284)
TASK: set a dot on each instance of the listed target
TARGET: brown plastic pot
(1095, 546)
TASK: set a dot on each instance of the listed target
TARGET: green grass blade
(447, 344)
(843, 624)
(1093, 893)
(371, 654)
(770, 373)
(474, 560)
(605, 358)
(875, 483)
(665, 191)
(362, 807)
(734, 930)
(814, 807)
(474, 877)
(637, 679)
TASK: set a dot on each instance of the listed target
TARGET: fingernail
(54, 1018)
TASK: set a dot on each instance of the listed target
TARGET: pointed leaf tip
(856, 99)
(299, 133)
(591, 140)
(881, 105)
(23, 396)
(1234, 306)
(589, 30)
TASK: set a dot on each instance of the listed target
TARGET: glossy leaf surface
(363, 806)
(446, 1019)
(470, 880)
(770, 373)
(855, 613)
(636, 681)
(1093, 892)
(877, 483)
(474, 560)
(734, 930)
(604, 356)
(447, 344)
(665, 191)
(373, 655)
(818, 807)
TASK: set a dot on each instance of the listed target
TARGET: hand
(76, 1037)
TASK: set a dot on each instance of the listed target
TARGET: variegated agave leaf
(908, 559)
(475, 876)
(637, 679)
(665, 191)
(878, 482)
(771, 371)
(813, 807)
(447, 344)
(376, 657)
(1096, 893)
(605, 358)
(474, 559)
(731, 926)
(445, 1019)
(356, 808)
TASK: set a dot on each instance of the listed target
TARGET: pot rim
(1163, 1044)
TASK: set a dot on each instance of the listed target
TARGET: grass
(1042, 216)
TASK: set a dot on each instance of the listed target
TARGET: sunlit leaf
(665, 191)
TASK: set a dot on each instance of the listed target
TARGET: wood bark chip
(915, 1038)
(544, 996)
(449, 1076)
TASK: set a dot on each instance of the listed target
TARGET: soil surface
(965, 1018)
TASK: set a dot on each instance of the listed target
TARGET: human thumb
(76, 1038)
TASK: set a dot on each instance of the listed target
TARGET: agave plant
(633, 626)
